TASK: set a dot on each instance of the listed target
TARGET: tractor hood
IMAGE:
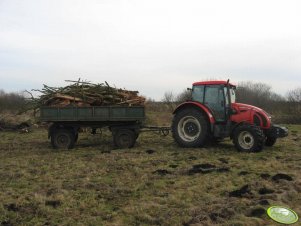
(246, 107)
(251, 114)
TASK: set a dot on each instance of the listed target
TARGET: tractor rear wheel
(190, 128)
(248, 138)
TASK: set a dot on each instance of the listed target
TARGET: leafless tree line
(12, 101)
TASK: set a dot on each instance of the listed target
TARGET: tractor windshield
(232, 94)
(199, 91)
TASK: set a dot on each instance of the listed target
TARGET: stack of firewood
(81, 93)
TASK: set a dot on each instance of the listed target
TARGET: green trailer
(93, 114)
(125, 123)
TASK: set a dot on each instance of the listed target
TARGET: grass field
(154, 183)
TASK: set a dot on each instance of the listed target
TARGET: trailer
(124, 122)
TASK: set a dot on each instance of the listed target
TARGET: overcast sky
(149, 45)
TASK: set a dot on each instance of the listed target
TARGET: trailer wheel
(248, 138)
(270, 141)
(124, 138)
(190, 128)
(62, 139)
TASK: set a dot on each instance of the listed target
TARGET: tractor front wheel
(248, 138)
(270, 141)
(190, 128)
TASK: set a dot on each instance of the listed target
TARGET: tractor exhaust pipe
(229, 100)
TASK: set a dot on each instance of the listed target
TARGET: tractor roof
(212, 83)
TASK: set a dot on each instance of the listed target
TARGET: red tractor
(212, 113)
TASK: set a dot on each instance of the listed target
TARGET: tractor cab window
(215, 100)
(232, 95)
(198, 93)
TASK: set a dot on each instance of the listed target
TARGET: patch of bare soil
(241, 192)
(206, 168)
(281, 176)
(161, 172)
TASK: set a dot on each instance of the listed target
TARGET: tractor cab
(216, 96)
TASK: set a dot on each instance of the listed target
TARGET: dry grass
(9, 120)
(150, 184)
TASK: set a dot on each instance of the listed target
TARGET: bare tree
(184, 96)
(253, 93)
(169, 100)
(294, 104)
(260, 95)
(11, 101)
(294, 95)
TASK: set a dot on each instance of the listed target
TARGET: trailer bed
(93, 114)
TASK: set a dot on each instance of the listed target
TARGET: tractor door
(215, 100)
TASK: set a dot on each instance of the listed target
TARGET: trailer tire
(248, 138)
(124, 138)
(190, 128)
(62, 139)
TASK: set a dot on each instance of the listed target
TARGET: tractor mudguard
(198, 106)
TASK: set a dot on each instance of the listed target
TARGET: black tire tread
(65, 131)
(118, 133)
(202, 120)
(270, 141)
(257, 133)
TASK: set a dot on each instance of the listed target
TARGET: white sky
(149, 45)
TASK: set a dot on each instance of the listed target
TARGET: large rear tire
(248, 138)
(190, 128)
